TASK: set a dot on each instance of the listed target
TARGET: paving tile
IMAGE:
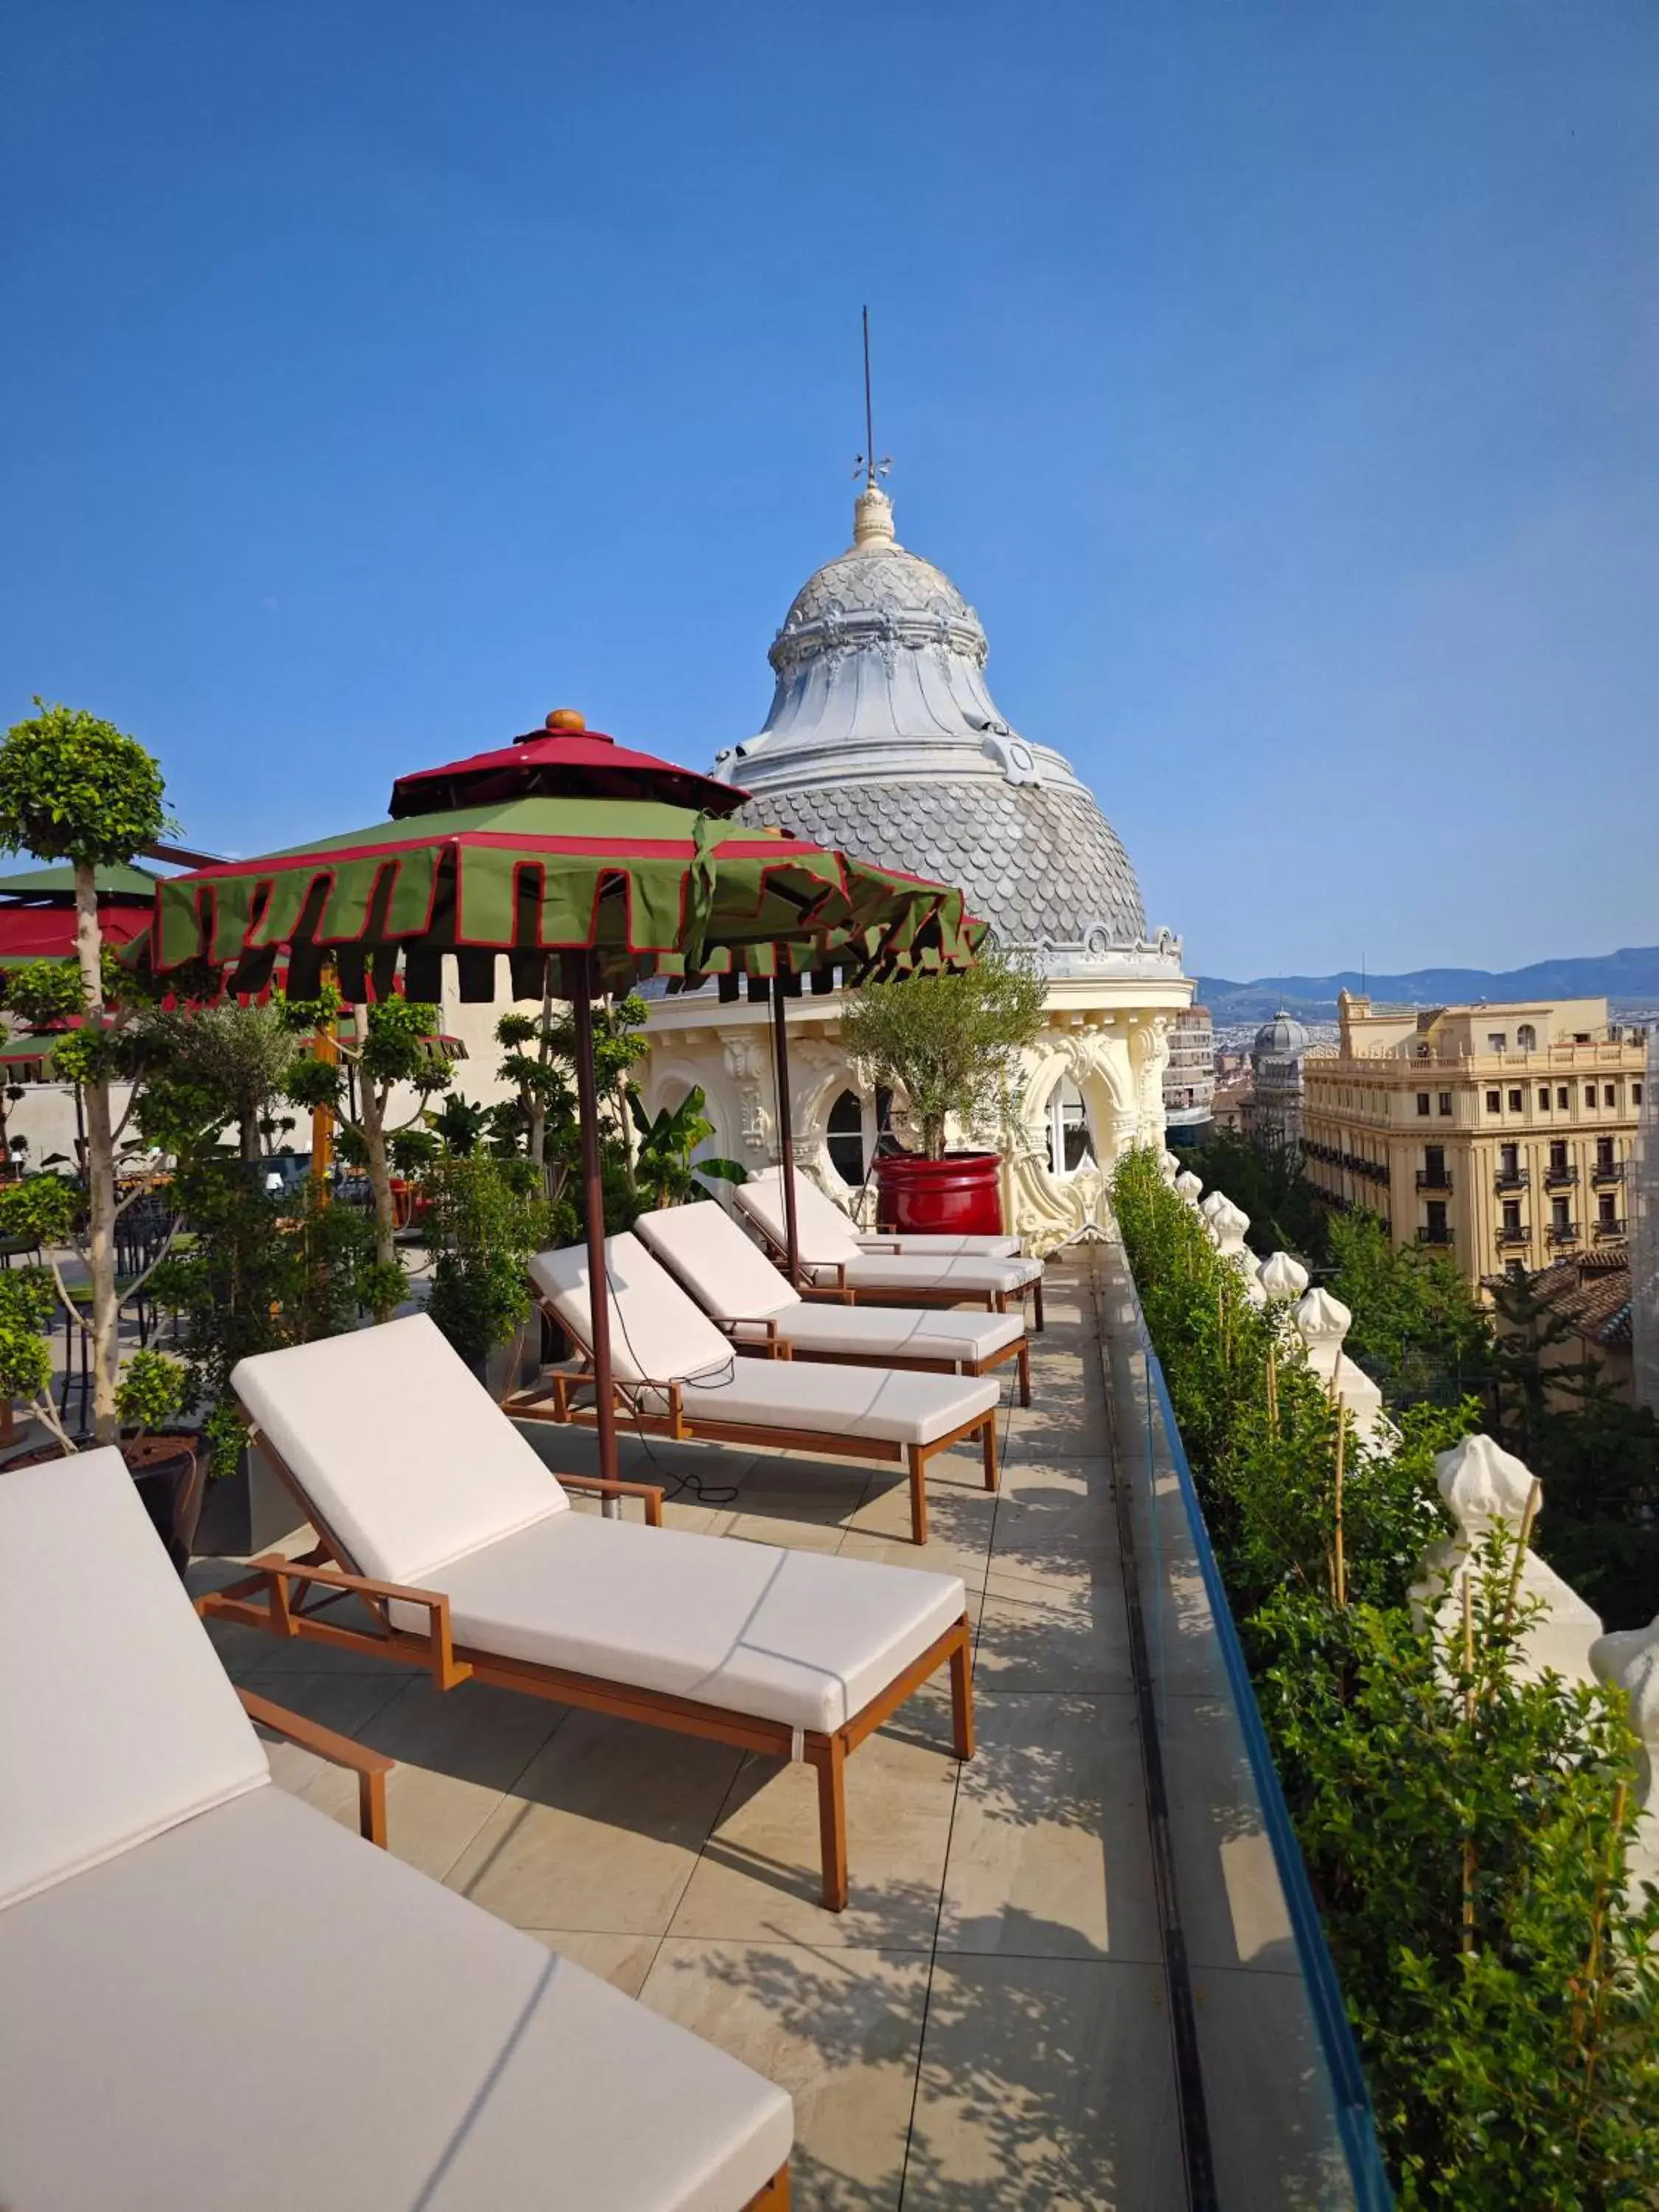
(1049, 1501)
(1035, 1636)
(338, 1701)
(623, 1960)
(1272, 2124)
(941, 1554)
(1049, 1854)
(841, 2029)
(602, 1830)
(1045, 2087)
(760, 1873)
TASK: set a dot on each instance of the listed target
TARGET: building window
(1604, 1152)
(1636, 1094)
(1445, 1102)
(1543, 1098)
(1517, 1270)
(1590, 1095)
(1557, 1156)
(1422, 1102)
(1434, 1166)
(1509, 1159)
(1437, 1231)
(1069, 1145)
(1606, 1093)
(1526, 1037)
(845, 1141)
(1511, 1217)
(1607, 1211)
(1562, 1099)
(1494, 1101)
(1497, 1041)
(1515, 1102)
(1560, 1216)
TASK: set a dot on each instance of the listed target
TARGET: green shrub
(1466, 1833)
(485, 1219)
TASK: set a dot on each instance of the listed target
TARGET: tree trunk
(380, 1177)
(100, 1169)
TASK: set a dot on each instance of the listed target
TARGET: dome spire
(872, 511)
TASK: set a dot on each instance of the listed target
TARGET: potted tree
(485, 1219)
(951, 1045)
(75, 788)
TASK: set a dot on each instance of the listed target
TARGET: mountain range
(1627, 979)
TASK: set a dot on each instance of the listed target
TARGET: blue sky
(1277, 379)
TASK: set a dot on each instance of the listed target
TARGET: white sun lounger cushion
(382, 1430)
(940, 1247)
(257, 2010)
(708, 1251)
(798, 1636)
(657, 1334)
(117, 1728)
(726, 1270)
(826, 1244)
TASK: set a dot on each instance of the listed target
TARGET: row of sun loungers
(203, 1980)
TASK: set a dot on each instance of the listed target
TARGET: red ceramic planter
(957, 1197)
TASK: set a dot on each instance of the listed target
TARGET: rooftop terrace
(990, 2023)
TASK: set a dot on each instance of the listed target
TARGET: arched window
(1070, 1146)
(845, 1138)
(1526, 1037)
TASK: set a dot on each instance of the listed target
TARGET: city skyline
(1275, 387)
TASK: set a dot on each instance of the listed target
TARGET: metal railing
(1608, 1171)
(1563, 1232)
(1561, 1178)
(1434, 1179)
(1607, 1232)
(1512, 1179)
(1433, 1235)
(1514, 1233)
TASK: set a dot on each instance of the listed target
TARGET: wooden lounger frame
(557, 1398)
(902, 1294)
(288, 1583)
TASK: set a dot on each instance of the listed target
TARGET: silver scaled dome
(884, 739)
(1282, 1038)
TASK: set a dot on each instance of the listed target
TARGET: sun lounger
(461, 1542)
(835, 1264)
(746, 1297)
(676, 1376)
(214, 1999)
(828, 1218)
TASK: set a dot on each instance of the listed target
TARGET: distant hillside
(1628, 979)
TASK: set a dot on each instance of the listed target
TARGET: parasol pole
(786, 1131)
(578, 989)
(324, 1046)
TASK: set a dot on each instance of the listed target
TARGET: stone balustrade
(1628, 1660)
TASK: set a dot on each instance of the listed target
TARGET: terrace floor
(988, 2024)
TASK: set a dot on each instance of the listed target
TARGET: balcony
(1608, 1171)
(1434, 1179)
(1563, 1232)
(1512, 1179)
(1438, 1234)
(1608, 1232)
(1561, 1178)
(1516, 1233)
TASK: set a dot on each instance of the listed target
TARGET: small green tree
(391, 1047)
(485, 1217)
(28, 1302)
(951, 1043)
(665, 1172)
(75, 788)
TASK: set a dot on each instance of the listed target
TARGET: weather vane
(866, 465)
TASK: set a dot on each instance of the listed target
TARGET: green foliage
(951, 1043)
(40, 1209)
(29, 1300)
(485, 1219)
(73, 787)
(1417, 1326)
(665, 1173)
(210, 1068)
(1268, 1182)
(42, 993)
(1511, 2053)
(459, 1125)
(267, 1269)
(152, 1389)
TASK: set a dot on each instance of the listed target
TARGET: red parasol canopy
(562, 760)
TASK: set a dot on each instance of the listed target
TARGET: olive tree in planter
(951, 1045)
(75, 788)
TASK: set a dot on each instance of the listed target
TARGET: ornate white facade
(884, 739)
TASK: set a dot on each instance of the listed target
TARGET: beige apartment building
(1501, 1134)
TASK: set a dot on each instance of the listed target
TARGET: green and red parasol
(563, 843)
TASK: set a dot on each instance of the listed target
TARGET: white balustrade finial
(1169, 1166)
(1283, 1279)
(1629, 1659)
(1484, 1487)
(1190, 1186)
